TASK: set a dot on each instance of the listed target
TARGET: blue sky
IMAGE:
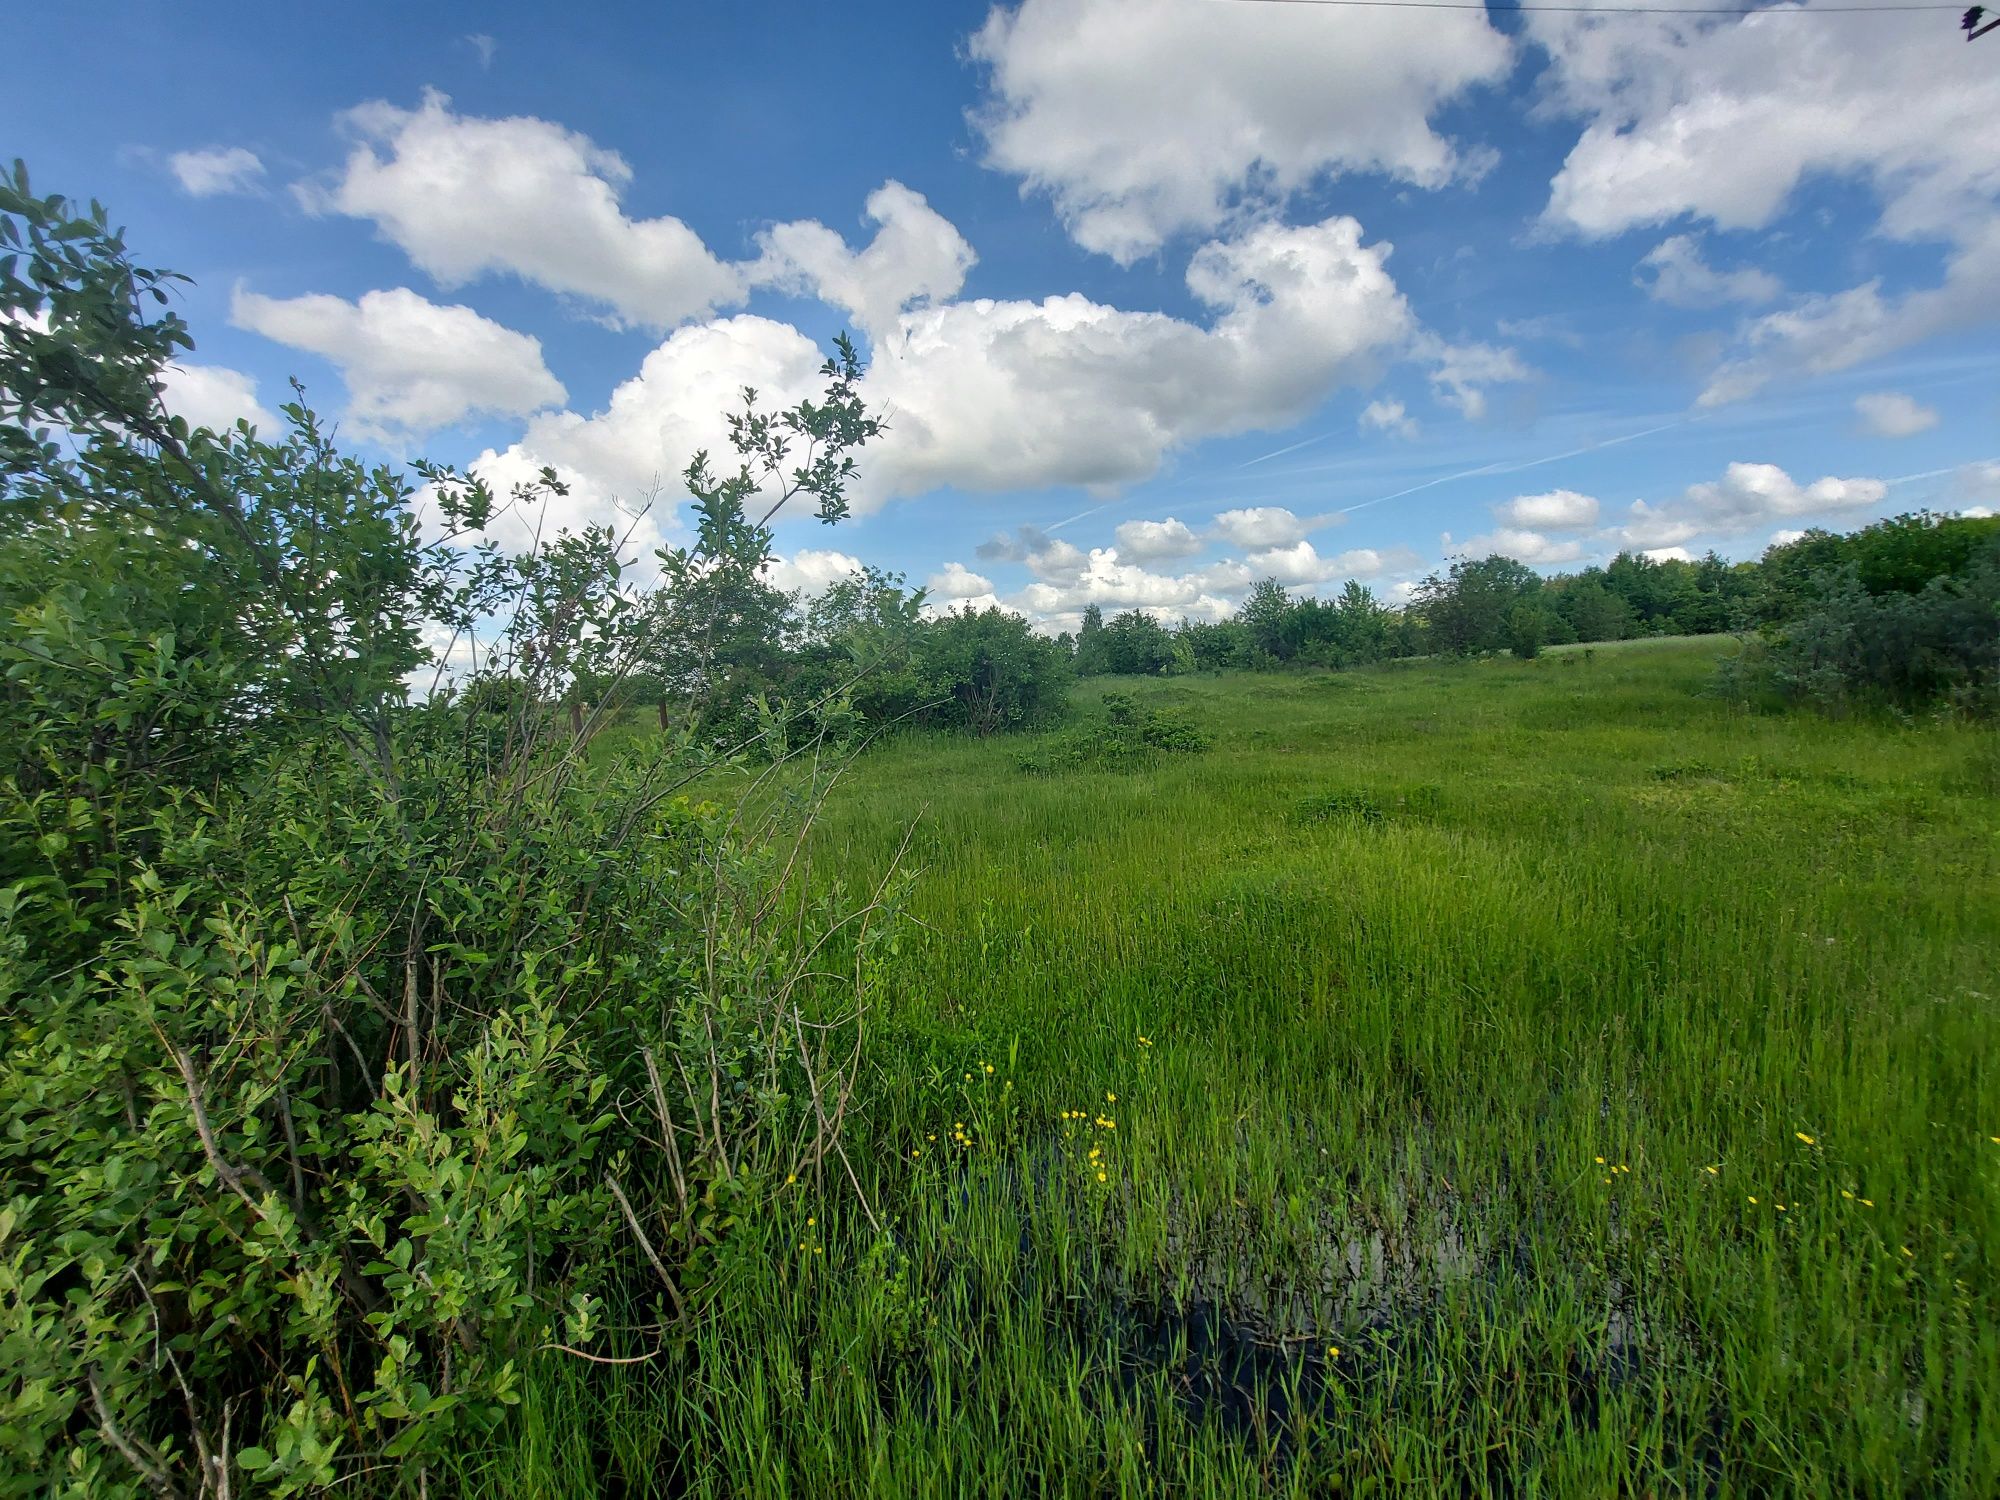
(1667, 282)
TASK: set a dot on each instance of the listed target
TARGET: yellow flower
(1753, 1200)
(1909, 1252)
(915, 1152)
(811, 1222)
(1333, 1351)
(1779, 1207)
(791, 1178)
(1144, 1043)
(802, 1244)
(1110, 1098)
(1845, 1194)
(1100, 1177)
(817, 1250)
(1867, 1202)
(1599, 1160)
(1713, 1171)
(1804, 1137)
(989, 1067)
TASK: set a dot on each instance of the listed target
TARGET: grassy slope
(1410, 951)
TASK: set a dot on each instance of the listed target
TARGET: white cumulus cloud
(410, 365)
(956, 581)
(1558, 510)
(1748, 497)
(1261, 526)
(810, 570)
(917, 256)
(214, 396)
(466, 197)
(1154, 541)
(995, 395)
(1521, 544)
(1145, 118)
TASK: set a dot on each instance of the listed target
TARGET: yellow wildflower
(1713, 1171)
(1110, 1098)
(1144, 1043)
(1333, 1351)
(1804, 1137)
(1100, 1177)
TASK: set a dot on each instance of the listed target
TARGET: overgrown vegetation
(361, 1044)
(1471, 1076)
(1463, 1078)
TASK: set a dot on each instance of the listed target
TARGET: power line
(1618, 10)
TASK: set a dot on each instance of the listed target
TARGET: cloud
(1723, 121)
(1558, 510)
(484, 47)
(1748, 497)
(1000, 395)
(1891, 414)
(1260, 526)
(410, 365)
(956, 581)
(1822, 334)
(616, 458)
(1462, 371)
(1301, 563)
(1785, 538)
(917, 256)
(1389, 417)
(810, 570)
(466, 197)
(1978, 483)
(1521, 544)
(1114, 585)
(1142, 119)
(1681, 278)
(214, 396)
(218, 170)
(1155, 541)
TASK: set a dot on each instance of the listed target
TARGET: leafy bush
(355, 1046)
(1848, 648)
(1130, 737)
(987, 670)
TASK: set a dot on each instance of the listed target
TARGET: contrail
(1532, 463)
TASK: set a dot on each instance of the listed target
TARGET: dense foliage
(358, 1043)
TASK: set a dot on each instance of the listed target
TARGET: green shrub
(356, 1046)
(1129, 737)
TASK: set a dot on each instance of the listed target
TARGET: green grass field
(1511, 1078)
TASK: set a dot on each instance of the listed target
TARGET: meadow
(1499, 1077)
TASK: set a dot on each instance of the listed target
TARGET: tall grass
(1529, 1078)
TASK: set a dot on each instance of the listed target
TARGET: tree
(988, 671)
(1263, 614)
(1468, 606)
(1135, 643)
(1089, 656)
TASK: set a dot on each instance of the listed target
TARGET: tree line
(867, 654)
